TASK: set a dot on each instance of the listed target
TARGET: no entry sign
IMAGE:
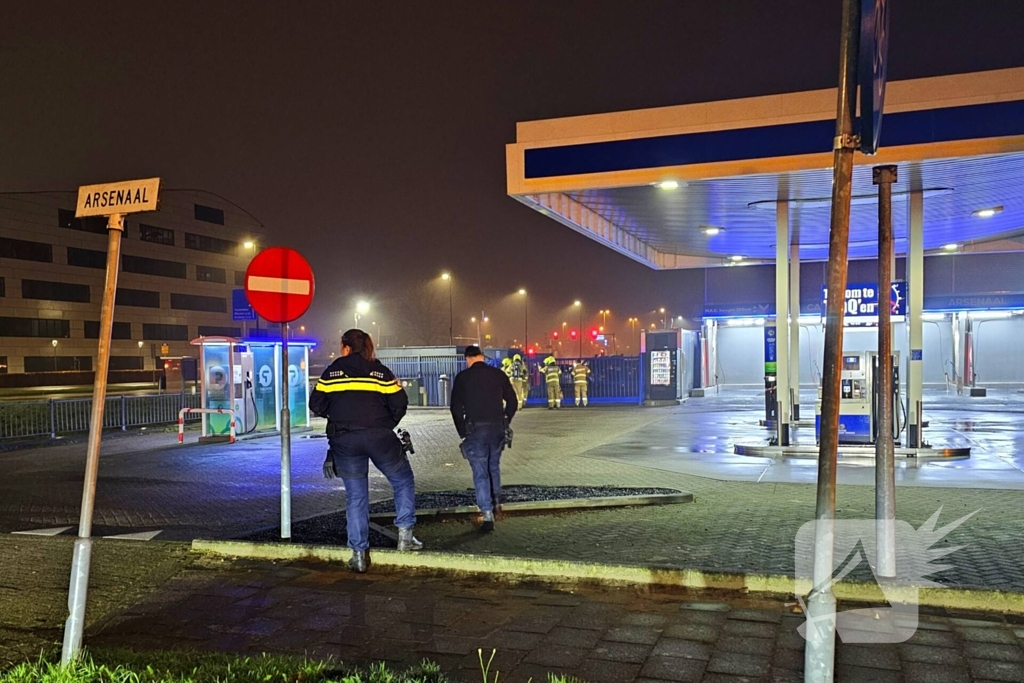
(279, 284)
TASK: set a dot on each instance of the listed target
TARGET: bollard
(444, 390)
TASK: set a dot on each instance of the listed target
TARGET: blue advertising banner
(975, 302)
(240, 308)
(770, 353)
(731, 310)
(874, 49)
(862, 301)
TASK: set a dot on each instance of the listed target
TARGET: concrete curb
(566, 504)
(562, 571)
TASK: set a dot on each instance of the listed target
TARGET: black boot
(360, 561)
(487, 526)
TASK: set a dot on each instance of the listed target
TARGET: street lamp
(664, 321)
(362, 308)
(479, 321)
(380, 339)
(447, 277)
(604, 317)
(54, 344)
(579, 304)
(526, 319)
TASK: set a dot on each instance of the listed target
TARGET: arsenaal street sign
(129, 196)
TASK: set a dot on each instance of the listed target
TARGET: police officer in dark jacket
(363, 403)
(483, 405)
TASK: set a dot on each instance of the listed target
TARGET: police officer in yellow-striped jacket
(363, 403)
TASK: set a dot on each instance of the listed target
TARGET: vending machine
(660, 351)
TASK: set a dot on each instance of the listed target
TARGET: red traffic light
(573, 334)
(593, 333)
(531, 351)
(554, 335)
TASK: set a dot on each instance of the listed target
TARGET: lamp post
(451, 315)
(664, 321)
(141, 357)
(362, 308)
(526, 319)
(250, 245)
(579, 304)
(479, 321)
(54, 344)
(380, 339)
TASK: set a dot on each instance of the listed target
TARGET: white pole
(915, 296)
(794, 328)
(286, 441)
(782, 317)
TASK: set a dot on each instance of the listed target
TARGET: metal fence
(20, 419)
(614, 379)
(427, 369)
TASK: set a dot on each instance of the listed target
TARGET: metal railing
(613, 379)
(428, 369)
(22, 419)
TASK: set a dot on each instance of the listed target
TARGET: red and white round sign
(279, 284)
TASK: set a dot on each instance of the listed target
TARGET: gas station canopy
(697, 185)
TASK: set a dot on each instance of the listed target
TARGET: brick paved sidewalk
(602, 635)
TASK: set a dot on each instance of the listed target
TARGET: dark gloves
(329, 471)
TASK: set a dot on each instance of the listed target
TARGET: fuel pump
(244, 402)
(899, 413)
(771, 394)
(858, 400)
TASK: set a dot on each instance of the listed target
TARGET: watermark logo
(855, 558)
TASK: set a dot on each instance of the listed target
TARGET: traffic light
(531, 351)
(593, 333)
(554, 335)
(573, 334)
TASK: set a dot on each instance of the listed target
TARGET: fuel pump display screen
(851, 362)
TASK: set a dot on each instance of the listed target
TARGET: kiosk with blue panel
(245, 376)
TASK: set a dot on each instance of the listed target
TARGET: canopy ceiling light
(987, 212)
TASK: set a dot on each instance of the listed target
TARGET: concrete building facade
(179, 266)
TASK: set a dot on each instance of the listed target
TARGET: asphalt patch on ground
(330, 529)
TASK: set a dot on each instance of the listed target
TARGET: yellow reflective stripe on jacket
(329, 386)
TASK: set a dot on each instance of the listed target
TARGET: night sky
(370, 136)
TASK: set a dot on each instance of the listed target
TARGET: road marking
(138, 536)
(278, 285)
(54, 531)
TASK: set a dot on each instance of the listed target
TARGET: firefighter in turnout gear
(520, 379)
(506, 367)
(580, 377)
(553, 379)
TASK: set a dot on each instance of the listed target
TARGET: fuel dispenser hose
(255, 410)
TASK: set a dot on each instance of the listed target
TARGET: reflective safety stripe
(358, 384)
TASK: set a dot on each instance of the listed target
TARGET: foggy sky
(370, 136)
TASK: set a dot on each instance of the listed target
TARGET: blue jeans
(482, 448)
(352, 452)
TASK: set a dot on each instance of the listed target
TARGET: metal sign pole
(819, 657)
(286, 442)
(885, 472)
(79, 586)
